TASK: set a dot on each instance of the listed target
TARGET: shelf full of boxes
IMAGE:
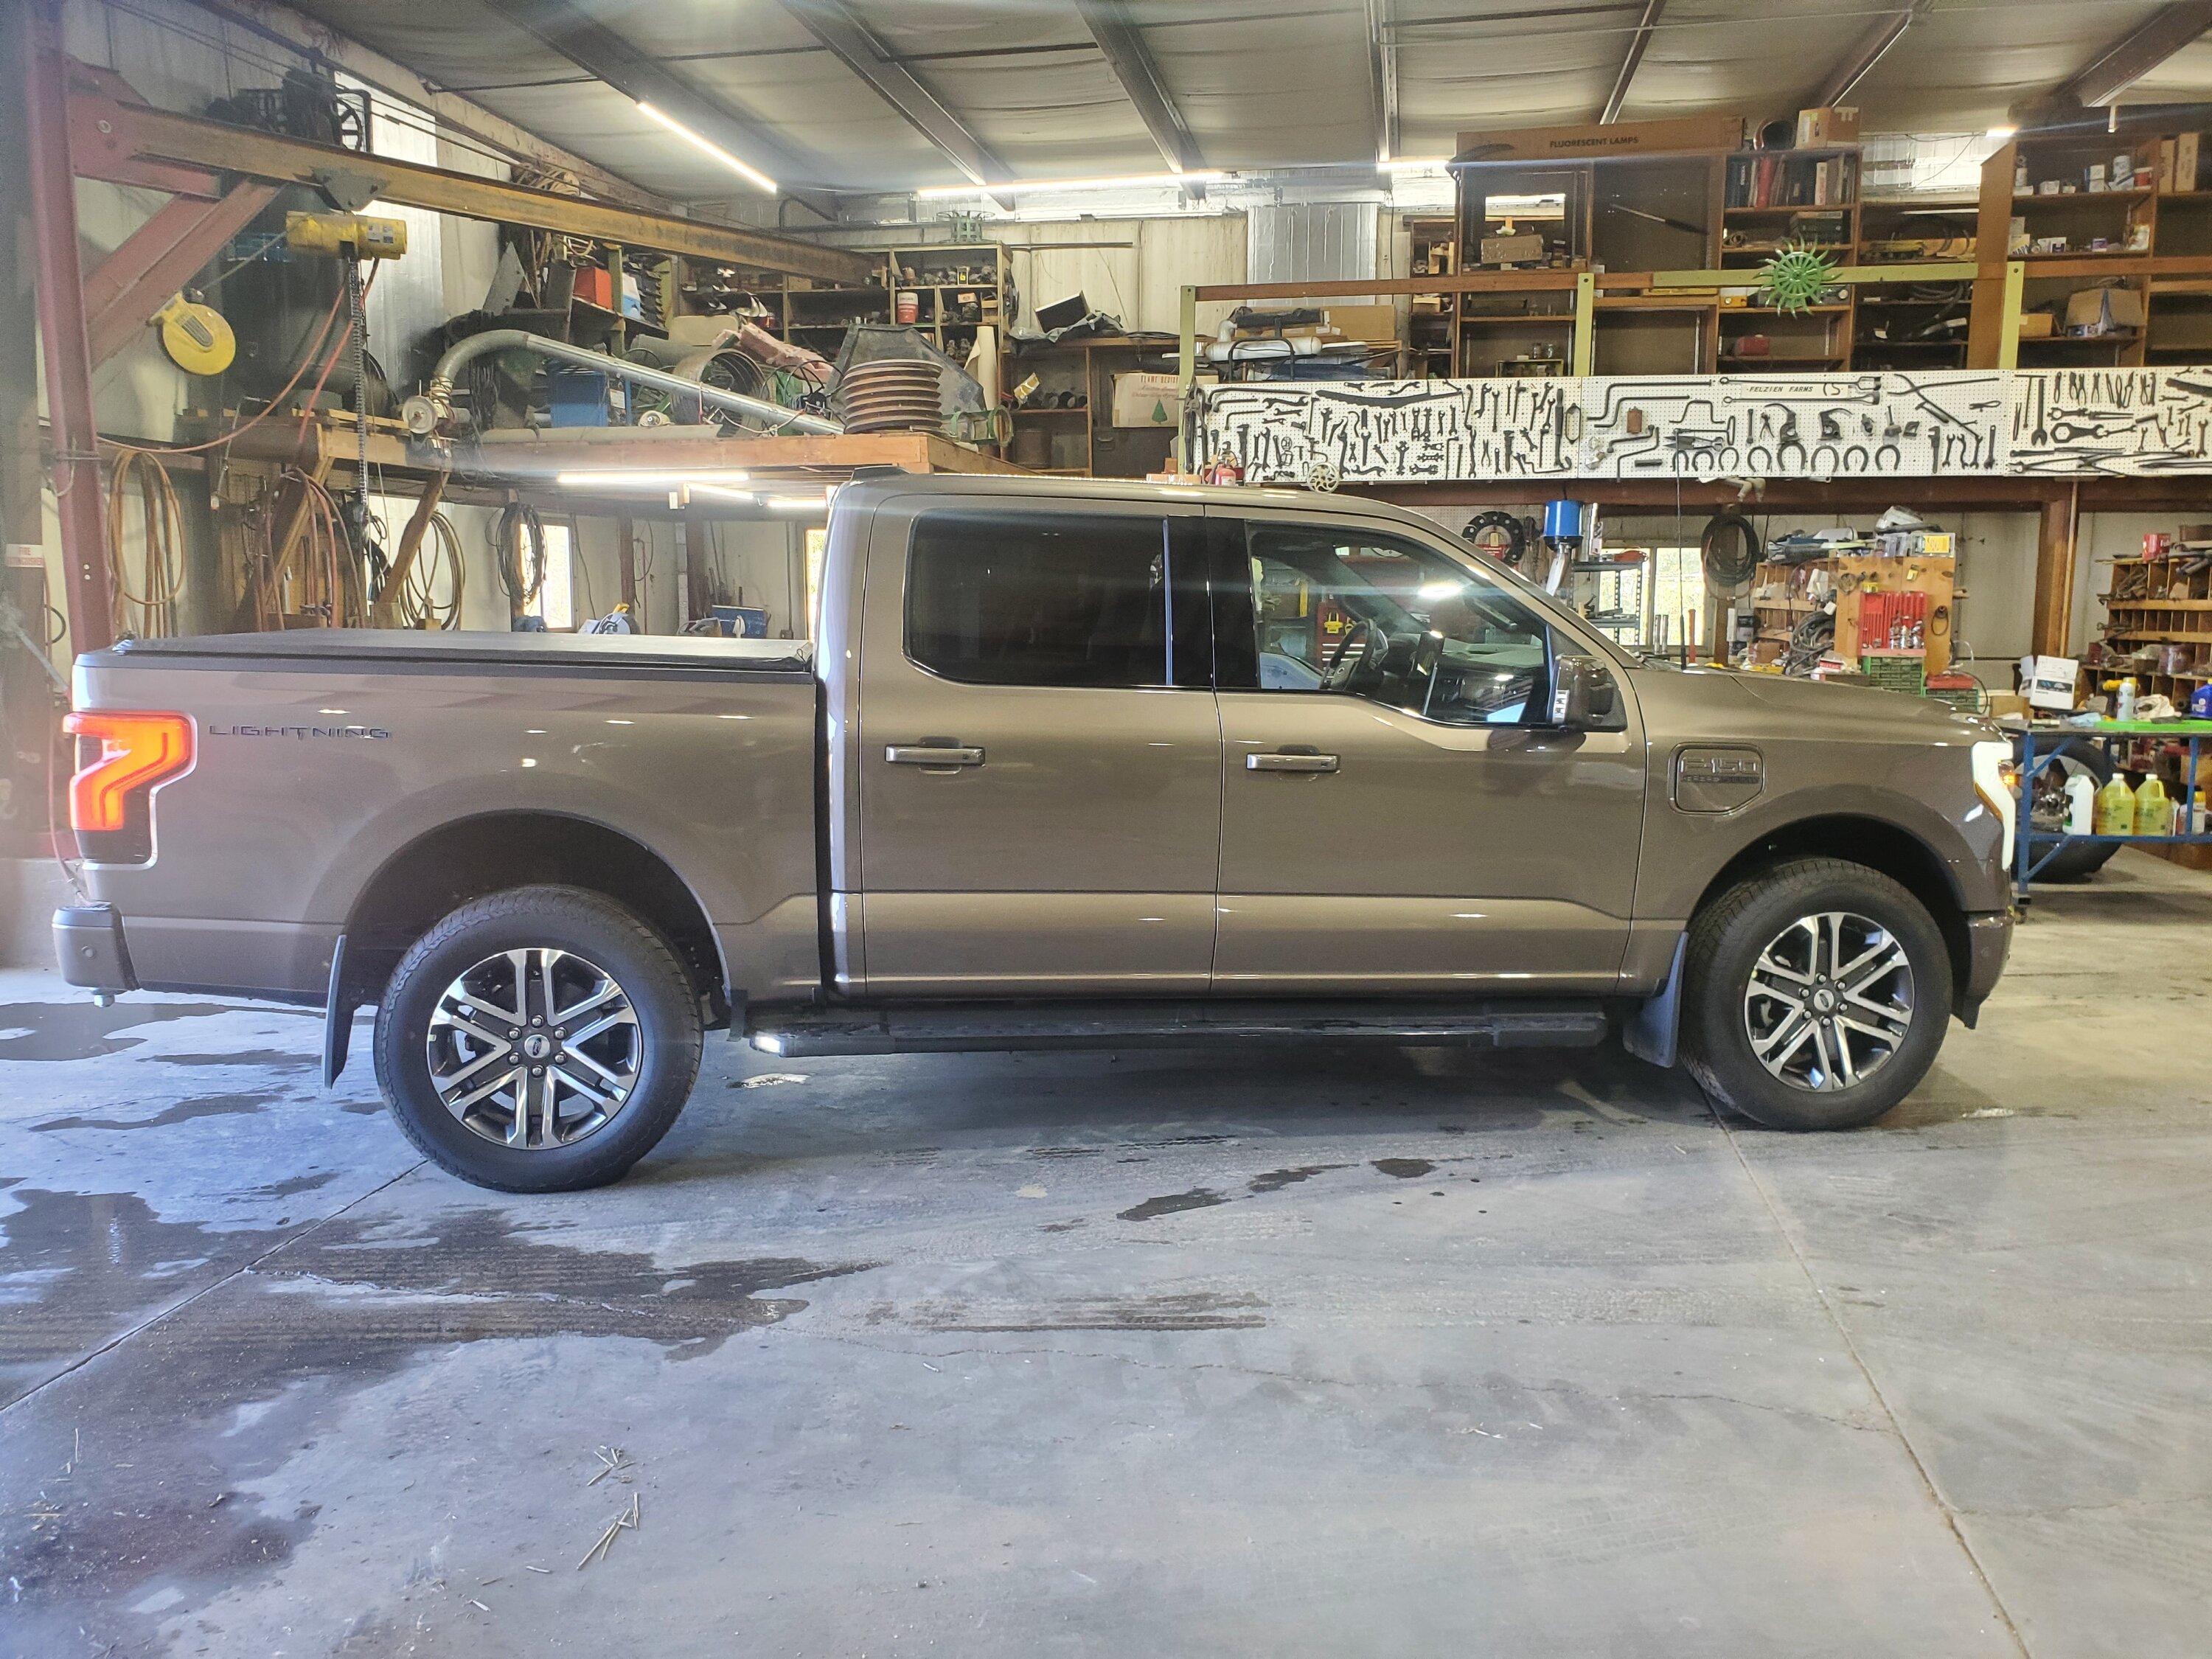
(2115, 237)
(2158, 620)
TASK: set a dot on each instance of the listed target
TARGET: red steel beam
(64, 333)
(160, 256)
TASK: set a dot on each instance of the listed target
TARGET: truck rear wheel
(1817, 993)
(539, 1040)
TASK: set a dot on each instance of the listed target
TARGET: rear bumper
(88, 944)
(1988, 941)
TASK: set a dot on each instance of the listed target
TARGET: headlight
(1996, 780)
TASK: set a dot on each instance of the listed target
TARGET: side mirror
(1583, 695)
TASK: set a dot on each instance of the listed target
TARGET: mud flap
(338, 1017)
(1654, 1032)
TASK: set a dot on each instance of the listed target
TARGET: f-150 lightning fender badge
(302, 733)
(1713, 780)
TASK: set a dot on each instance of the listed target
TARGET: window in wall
(817, 548)
(1036, 599)
(1677, 610)
(1393, 621)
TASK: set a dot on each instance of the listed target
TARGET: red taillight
(137, 751)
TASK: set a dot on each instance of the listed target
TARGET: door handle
(1279, 762)
(922, 754)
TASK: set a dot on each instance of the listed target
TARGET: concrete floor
(1372, 1353)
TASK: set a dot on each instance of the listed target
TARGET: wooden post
(1585, 346)
(2054, 573)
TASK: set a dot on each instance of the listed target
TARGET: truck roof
(870, 485)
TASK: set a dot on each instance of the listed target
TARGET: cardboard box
(1512, 250)
(1377, 324)
(2006, 704)
(2050, 682)
(1673, 136)
(1828, 125)
(2164, 174)
(2095, 311)
(2185, 161)
(1146, 400)
(2036, 325)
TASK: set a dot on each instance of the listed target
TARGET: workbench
(2051, 739)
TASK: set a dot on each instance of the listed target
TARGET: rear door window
(1052, 599)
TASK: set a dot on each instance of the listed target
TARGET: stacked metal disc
(891, 396)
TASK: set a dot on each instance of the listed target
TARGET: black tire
(2084, 858)
(569, 918)
(1726, 941)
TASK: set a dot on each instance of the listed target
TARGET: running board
(952, 1027)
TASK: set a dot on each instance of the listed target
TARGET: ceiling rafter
(863, 51)
(2119, 64)
(1631, 60)
(590, 44)
(1382, 78)
(1133, 66)
(1854, 65)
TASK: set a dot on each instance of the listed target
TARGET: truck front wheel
(1817, 994)
(539, 1040)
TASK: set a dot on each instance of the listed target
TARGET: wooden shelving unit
(1083, 442)
(2161, 603)
(2156, 235)
(1431, 320)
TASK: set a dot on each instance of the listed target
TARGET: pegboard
(1953, 423)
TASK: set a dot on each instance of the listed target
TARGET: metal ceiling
(875, 94)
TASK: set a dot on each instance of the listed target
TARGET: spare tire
(2083, 859)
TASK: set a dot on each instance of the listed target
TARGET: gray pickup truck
(1072, 764)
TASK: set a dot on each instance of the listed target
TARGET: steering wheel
(1336, 675)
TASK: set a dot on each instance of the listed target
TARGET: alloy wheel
(1829, 1002)
(534, 1048)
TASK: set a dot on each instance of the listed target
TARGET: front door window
(1393, 621)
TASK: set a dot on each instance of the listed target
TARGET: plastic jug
(2081, 804)
(2154, 808)
(2115, 807)
(2123, 704)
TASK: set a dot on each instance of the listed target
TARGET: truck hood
(1818, 709)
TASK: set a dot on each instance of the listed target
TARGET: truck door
(1039, 758)
(1394, 818)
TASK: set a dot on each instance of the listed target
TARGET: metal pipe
(431, 412)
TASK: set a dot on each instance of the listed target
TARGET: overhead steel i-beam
(132, 143)
(857, 46)
(1131, 61)
(1630, 61)
(1382, 78)
(2122, 62)
(590, 44)
(1866, 51)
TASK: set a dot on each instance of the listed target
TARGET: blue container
(1563, 521)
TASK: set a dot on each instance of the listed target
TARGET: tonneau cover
(375, 646)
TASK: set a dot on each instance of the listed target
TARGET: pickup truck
(1070, 762)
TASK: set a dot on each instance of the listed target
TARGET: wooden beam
(139, 278)
(131, 132)
(857, 46)
(1131, 61)
(2053, 615)
(1631, 60)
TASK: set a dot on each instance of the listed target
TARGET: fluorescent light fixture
(1415, 164)
(1132, 181)
(708, 147)
(2001, 134)
(796, 503)
(643, 479)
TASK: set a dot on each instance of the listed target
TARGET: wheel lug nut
(538, 1019)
